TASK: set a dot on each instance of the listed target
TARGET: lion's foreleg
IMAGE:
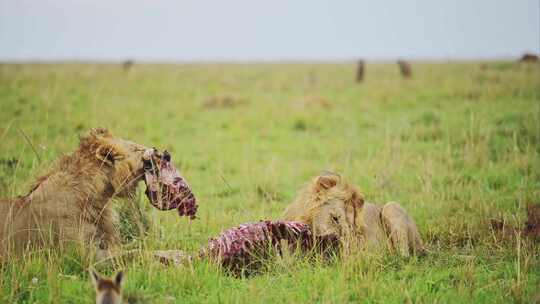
(400, 229)
(109, 235)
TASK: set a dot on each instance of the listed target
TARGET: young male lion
(331, 205)
(72, 201)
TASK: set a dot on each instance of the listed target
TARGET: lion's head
(125, 163)
(120, 159)
(329, 205)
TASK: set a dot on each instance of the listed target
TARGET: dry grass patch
(224, 101)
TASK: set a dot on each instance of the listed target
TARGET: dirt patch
(313, 101)
(224, 101)
(531, 227)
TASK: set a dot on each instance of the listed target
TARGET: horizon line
(285, 60)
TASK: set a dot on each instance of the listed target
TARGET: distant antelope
(360, 71)
(405, 68)
(528, 58)
(107, 291)
(127, 65)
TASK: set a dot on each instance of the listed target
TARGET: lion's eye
(335, 219)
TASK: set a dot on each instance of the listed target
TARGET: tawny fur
(72, 201)
(323, 202)
(331, 205)
(108, 291)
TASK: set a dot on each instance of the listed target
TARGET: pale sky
(235, 30)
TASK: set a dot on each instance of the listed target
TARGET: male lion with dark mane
(330, 205)
(73, 201)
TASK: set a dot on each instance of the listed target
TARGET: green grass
(457, 144)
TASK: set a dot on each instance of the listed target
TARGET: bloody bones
(245, 246)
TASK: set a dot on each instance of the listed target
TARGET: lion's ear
(93, 138)
(326, 181)
(109, 153)
(95, 133)
(100, 132)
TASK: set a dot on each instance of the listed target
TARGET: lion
(72, 202)
(330, 205)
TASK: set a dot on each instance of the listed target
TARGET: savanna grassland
(457, 144)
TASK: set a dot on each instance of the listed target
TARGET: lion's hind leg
(401, 230)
